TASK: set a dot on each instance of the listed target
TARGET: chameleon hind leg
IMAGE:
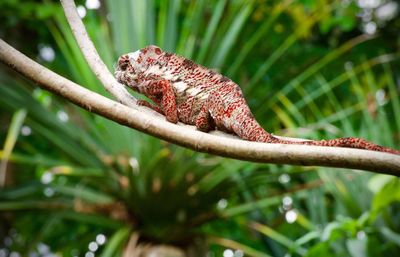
(204, 121)
(211, 114)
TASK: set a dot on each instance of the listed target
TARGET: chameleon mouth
(118, 75)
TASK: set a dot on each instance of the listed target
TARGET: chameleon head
(127, 68)
(132, 63)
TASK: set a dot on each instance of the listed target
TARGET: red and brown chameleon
(192, 94)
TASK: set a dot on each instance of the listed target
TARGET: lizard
(195, 95)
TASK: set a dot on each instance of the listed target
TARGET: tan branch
(187, 136)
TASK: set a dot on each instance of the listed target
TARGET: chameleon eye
(157, 50)
(123, 62)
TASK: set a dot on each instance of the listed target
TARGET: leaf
(388, 194)
(278, 237)
(231, 35)
(262, 203)
(33, 204)
(114, 246)
(12, 135)
(249, 251)
(377, 182)
(390, 235)
(330, 231)
(211, 28)
(357, 247)
(84, 193)
(321, 249)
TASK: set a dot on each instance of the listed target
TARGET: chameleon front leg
(162, 94)
(150, 105)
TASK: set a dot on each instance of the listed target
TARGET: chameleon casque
(192, 94)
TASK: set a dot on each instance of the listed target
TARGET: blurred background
(75, 184)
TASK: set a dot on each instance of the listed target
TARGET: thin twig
(92, 57)
(187, 136)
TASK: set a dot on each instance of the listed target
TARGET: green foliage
(304, 66)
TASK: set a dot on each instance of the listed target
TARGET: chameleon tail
(352, 142)
(248, 128)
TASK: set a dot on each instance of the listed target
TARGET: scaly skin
(184, 91)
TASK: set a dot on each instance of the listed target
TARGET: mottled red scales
(190, 93)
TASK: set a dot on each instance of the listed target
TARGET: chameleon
(195, 95)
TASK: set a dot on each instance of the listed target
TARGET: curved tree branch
(187, 136)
